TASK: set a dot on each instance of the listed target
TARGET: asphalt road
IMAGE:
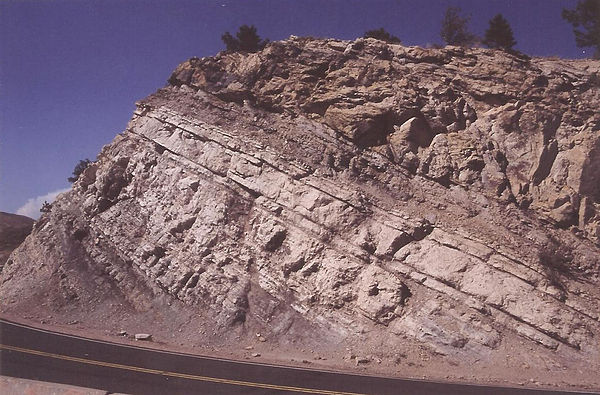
(36, 354)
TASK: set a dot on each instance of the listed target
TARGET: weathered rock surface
(361, 192)
(13, 230)
(143, 336)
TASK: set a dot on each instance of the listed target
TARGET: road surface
(36, 354)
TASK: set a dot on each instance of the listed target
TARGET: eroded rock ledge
(447, 198)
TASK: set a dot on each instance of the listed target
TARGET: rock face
(375, 194)
(13, 230)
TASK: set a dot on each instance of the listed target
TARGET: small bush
(79, 168)
(46, 207)
(383, 35)
(556, 260)
(245, 40)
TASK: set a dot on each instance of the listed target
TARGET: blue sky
(71, 70)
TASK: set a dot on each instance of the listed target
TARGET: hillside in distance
(353, 204)
(13, 230)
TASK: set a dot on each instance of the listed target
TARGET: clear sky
(71, 70)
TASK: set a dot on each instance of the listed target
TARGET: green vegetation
(499, 35)
(585, 19)
(455, 28)
(556, 261)
(79, 168)
(383, 35)
(46, 207)
(245, 40)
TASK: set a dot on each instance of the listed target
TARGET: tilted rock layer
(347, 193)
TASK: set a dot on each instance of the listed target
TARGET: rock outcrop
(377, 195)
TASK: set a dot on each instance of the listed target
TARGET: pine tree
(383, 35)
(454, 28)
(499, 35)
(246, 40)
(587, 16)
(79, 168)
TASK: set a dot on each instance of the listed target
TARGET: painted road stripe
(175, 374)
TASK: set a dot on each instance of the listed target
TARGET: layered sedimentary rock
(448, 198)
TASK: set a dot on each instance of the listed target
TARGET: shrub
(46, 207)
(245, 40)
(556, 260)
(587, 16)
(383, 35)
(79, 168)
(454, 28)
(499, 35)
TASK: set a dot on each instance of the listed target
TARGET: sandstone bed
(356, 205)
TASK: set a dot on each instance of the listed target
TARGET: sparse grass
(556, 260)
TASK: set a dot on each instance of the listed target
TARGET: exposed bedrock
(444, 197)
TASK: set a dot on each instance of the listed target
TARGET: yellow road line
(174, 374)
